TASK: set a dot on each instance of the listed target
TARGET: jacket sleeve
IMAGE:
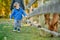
(12, 2)
(23, 12)
(12, 14)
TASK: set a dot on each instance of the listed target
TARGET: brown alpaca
(54, 22)
(53, 26)
(47, 18)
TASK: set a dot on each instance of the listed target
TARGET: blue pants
(17, 25)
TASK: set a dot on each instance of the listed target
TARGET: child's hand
(25, 16)
(10, 19)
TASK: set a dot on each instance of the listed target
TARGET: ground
(27, 32)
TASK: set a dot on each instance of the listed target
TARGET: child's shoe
(14, 30)
(18, 31)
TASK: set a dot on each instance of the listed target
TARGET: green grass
(27, 33)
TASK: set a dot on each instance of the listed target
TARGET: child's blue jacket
(17, 14)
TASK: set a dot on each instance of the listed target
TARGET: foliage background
(4, 8)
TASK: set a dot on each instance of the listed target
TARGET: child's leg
(19, 25)
(15, 24)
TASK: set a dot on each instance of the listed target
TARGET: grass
(27, 32)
